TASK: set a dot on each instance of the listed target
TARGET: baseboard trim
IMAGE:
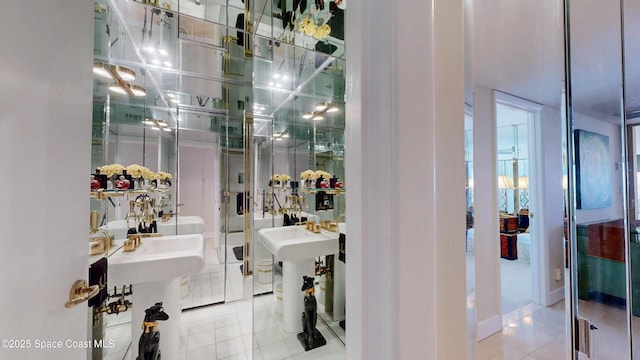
(488, 327)
(555, 296)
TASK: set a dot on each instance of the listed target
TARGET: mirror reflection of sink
(157, 259)
(186, 225)
(296, 242)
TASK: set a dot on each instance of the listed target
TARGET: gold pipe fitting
(102, 244)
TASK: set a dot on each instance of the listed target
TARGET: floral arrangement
(323, 174)
(137, 171)
(309, 28)
(164, 175)
(322, 31)
(308, 175)
(280, 177)
(111, 169)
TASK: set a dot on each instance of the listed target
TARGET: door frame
(539, 262)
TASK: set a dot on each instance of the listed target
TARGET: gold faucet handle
(97, 247)
(80, 292)
(93, 220)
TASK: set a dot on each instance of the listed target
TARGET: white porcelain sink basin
(157, 259)
(296, 242)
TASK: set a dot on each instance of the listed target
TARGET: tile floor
(224, 332)
(535, 332)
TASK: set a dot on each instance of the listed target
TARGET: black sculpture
(149, 344)
(310, 337)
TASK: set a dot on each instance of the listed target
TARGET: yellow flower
(310, 30)
(112, 169)
(308, 175)
(285, 177)
(164, 176)
(306, 23)
(321, 173)
(322, 31)
(136, 170)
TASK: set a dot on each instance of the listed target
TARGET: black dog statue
(149, 344)
(310, 337)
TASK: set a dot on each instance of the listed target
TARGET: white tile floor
(224, 332)
(536, 332)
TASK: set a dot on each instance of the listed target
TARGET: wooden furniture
(509, 246)
(601, 261)
(508, 223)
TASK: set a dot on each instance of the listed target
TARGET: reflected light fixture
(125, 73)
(322, 106)
(118, 89)
(137, 90)
(326, 107)
(157, 125)
(504, 182)
(307, 115)
(102, 70)
(122, 76)
(523, 182)
(317, 117)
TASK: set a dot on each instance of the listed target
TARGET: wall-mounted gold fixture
(80, 292)
(101, 244)
(122, 76)
(100, 194)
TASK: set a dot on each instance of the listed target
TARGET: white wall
(197, 187)
(45, 134)
(611, 130)
(405, 166)
(550, 206)
(487, 244)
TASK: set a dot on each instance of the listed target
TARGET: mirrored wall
(214, 120)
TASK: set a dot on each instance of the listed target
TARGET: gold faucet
(103, 244)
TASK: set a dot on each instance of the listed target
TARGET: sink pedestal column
(146, 295)
(293, 297)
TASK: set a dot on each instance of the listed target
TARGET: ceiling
(517, 47)
(199, 77)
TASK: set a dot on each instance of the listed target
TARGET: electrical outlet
(557, 274)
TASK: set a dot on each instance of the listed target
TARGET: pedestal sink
(297, 248)
(155, 269)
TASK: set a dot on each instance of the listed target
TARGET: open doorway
(515, 133)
